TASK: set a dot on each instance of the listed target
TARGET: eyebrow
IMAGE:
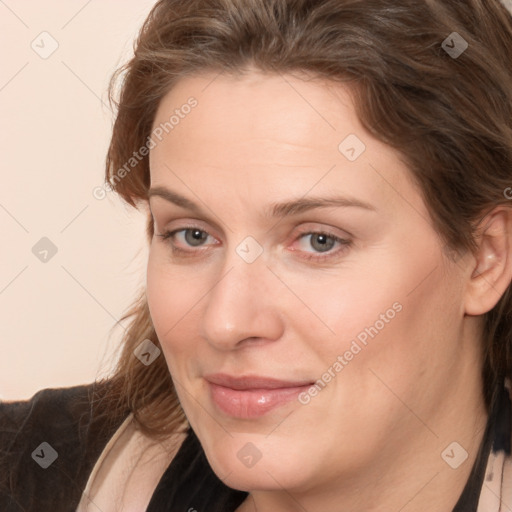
(292, 207)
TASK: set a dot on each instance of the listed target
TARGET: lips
(252, 396)
(253, 382)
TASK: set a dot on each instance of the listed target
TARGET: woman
(327, 320)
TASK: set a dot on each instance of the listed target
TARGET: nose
(242, 307)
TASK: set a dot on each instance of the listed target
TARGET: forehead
(290, 132)
(285, 108)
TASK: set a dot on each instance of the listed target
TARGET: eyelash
(318, 257)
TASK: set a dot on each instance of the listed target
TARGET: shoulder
(49, 443)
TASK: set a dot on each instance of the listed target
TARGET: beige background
(54, 131)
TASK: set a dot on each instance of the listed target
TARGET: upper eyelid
(295, 218)
(209, 221)
(200, 224)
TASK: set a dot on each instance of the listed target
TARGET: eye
(192, 236)
(322, 242)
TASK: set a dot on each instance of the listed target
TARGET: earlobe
(492, 271)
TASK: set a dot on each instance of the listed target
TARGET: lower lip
(252, 403)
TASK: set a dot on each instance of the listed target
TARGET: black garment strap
(496, 437)
(189, 484)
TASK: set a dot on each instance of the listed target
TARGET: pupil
(323, 245)
(196, 236)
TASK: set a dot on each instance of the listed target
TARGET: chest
(128, 471)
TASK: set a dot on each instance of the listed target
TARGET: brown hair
(449, 116)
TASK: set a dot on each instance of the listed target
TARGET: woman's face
(271, 280)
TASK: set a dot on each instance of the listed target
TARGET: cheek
(170, 300)
(358, 304)
(400, 317)
(160, 301)
(419, 342)
(170, 291)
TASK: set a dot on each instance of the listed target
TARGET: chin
(255, 462)
(259, 477)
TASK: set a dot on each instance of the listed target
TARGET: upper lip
(252, 382)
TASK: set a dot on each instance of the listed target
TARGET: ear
(492, 264)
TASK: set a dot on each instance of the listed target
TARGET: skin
(372, 438)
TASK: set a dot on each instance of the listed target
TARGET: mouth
(249, 397)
